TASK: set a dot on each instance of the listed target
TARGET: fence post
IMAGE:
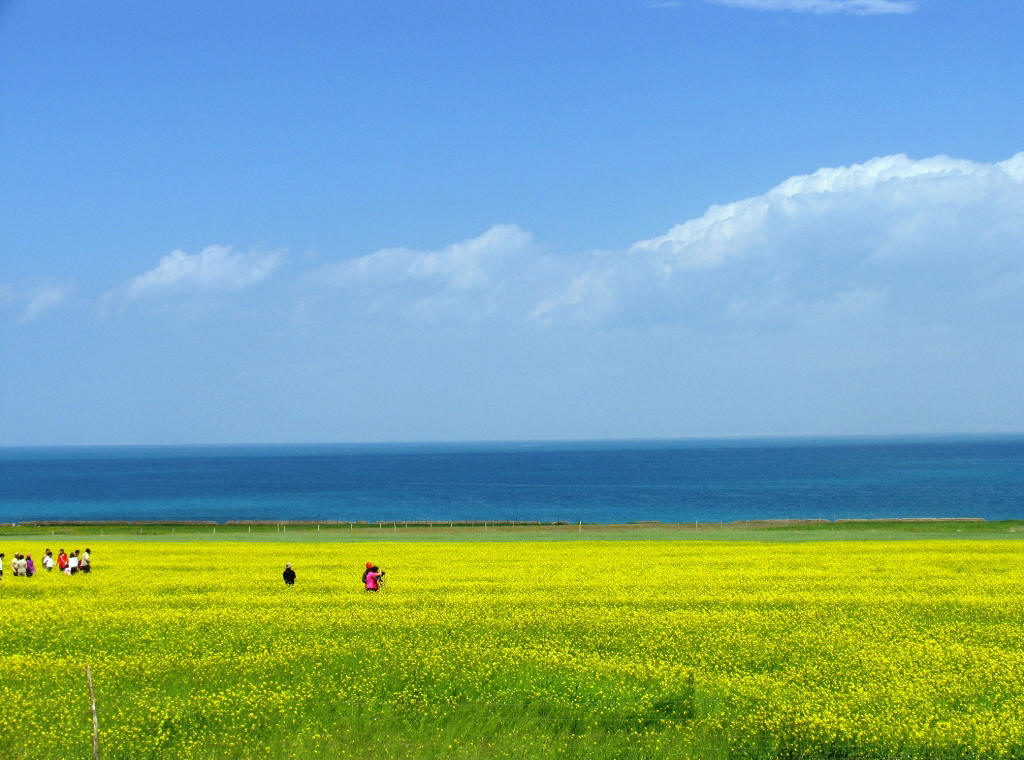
(95, 723)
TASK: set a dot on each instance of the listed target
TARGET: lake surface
(601, 482)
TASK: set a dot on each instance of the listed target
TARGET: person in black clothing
(289, 574)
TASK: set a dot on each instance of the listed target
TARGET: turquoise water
(603, 482)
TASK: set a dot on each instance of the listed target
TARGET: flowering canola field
(519, 649)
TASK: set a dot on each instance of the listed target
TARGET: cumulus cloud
(930, 237)
(934, 240)
(468, 278)
(856, 7)
(215, 268)
(29, 301)
(586, 298)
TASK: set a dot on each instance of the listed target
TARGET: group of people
(373, 576)
(70, 564)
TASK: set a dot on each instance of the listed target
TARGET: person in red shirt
(62, 561)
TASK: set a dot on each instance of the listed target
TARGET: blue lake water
(604, 482)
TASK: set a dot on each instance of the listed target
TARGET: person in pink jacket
(372, 577)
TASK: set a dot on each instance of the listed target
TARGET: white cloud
(33, 299)
(467, 278)
(937, 238)
(586, 296)
(856, 7)
(215, 268)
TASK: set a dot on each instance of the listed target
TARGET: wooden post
(95, 723)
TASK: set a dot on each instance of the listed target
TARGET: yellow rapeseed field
(518, 649)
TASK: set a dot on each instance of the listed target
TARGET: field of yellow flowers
(518, 649)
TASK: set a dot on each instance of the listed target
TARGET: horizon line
(695, 439)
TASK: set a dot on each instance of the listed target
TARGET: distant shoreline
(455, 531)
(778, 523)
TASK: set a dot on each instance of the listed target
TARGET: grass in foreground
(519, 649)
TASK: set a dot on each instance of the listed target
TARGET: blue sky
(345, 221)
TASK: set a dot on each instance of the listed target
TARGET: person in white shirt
(48, 560)
(73, 562)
